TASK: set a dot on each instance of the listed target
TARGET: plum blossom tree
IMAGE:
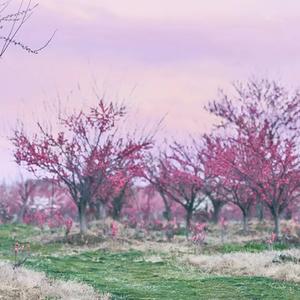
(83, 154)
(255, 103)
(228, 186)
(263, 119)
(180, 178)
(244, 198)
(152, 173)
(118, 187)
(119, 199)
(213, 188)
(270, 170)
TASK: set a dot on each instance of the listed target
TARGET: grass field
(147, 274)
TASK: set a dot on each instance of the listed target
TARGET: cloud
(176, 10)
(170, 31)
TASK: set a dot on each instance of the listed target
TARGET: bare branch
(12, 23)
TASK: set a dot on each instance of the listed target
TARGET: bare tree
(12, 19)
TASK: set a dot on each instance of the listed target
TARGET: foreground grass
(143, 275)
(130, 275)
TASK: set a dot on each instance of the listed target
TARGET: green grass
(22, 233)
(249, 247)
(130, 275)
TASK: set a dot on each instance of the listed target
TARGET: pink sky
(160, 56)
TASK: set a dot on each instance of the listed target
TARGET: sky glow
(158, 56)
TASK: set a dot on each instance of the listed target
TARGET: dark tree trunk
(276, 217)
(117, 206)
(277, 225)
(189, 214)
(260, 211)
(245, 221)
(217, 205)
(82, 217)
(118, 203)
(96, 209)
(167, 214)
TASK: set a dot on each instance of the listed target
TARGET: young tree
(120, 197)
(227, 185)
(83, 154)
(117, 187)
(180, 178)
(212, 184)
(214, 190)
(128, 172)
(112, 195)
(270, 171)
(152, 173)
(263, 120)
(244, 198)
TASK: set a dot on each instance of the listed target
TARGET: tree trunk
(260, 211)
(188, 219)
(82, 217)
(21, 213)
(277, 225)
(117, 207)
(95, 208)
(288, 214)
(167, 214)
(118, 203)
(245, 222)
(216, 212)
(100, 211)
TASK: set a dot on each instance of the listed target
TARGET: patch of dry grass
(234, 234)
(249, 264)
(25, 284)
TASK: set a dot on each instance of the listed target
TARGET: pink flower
(68, 224)
(199, 238)
(114, 229)
(223, 223)
(16, 247)
(271, 239)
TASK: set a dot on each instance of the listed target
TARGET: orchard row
(250, 159)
